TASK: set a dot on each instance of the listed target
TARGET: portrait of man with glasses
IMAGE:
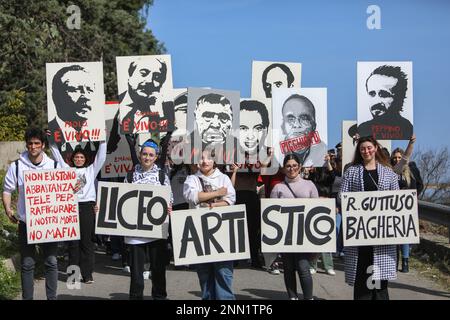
(299, 132)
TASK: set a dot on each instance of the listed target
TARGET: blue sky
(213, 43)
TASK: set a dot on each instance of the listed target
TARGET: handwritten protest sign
(52, 206)
(135, 210)
(380, 217)
(210, 235)
(298, 225)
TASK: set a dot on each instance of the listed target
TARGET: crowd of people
(208, 184)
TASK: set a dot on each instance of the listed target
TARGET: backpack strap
(202, 183)
(17, 174)
(130, 176)
(162, 176)
(290, 189)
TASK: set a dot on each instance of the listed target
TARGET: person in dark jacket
(409, 178)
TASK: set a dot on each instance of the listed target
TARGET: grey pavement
(112, 283)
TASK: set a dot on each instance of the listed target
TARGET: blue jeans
(216, 280)
(405, 250)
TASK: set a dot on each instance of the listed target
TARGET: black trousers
(81, 252)
(253, 209)
(365, 288)
(299, 262)
(157, 252)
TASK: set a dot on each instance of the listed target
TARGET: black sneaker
(88, 281)
(273, 269)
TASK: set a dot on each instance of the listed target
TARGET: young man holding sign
(32, 159)
(368, 268)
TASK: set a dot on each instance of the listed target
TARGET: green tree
(13, 121)
(33, 33)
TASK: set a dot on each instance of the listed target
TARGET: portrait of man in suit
(142, 105)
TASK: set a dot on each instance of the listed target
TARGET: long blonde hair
(406, 172)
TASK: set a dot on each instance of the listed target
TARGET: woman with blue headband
(148, 172)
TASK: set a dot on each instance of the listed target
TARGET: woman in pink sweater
(294, 186)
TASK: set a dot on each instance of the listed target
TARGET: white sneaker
(147, 274)
(293, 298)
(312, 271)
(274, 270)
(116, 256)
(331, 272)
(126, 269)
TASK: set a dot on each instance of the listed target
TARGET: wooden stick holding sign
(380, 217)
(210, 235)
(52, 206)
(134, 210)
(298, 225)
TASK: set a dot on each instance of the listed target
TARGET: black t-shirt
(370, 178)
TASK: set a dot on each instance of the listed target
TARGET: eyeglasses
(294, 167)
(303, 120)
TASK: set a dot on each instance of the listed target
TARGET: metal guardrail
(435, 213)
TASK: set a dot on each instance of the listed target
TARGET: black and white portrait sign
(210, 235)
(75, 101)
(134, 210)
(144, 84)
(380, 217)
(213, 121)
(300, 124)
(385, 100)
(298, 225)
(179, 98)
(267, 75)
(254, 126)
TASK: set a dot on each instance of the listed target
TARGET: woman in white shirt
(81, 252)
(211, 188)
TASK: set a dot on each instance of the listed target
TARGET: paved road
(112, 283)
